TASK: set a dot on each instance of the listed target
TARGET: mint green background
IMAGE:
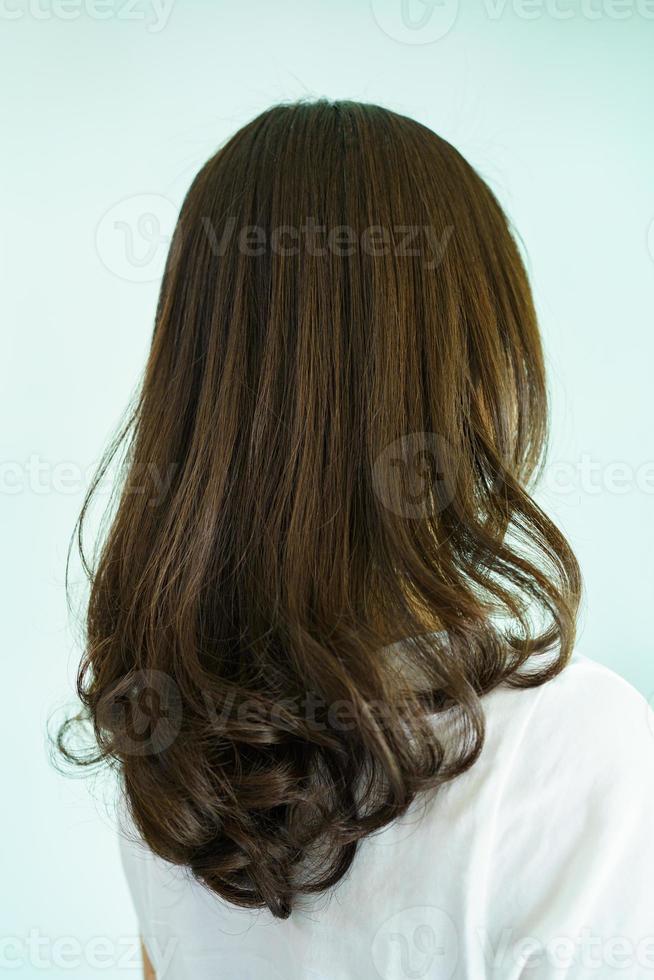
(555, 113)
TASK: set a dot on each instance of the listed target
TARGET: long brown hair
(324, 539)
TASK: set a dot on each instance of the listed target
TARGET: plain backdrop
(107, 111)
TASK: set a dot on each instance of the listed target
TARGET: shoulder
(586, 714)
(581, 741)
(573, 847)
(595, 689)
(579, 745)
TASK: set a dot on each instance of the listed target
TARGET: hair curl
(343, 407)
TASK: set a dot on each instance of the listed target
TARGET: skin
(148, 971)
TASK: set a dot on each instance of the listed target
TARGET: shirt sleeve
(571, 890)
(135, 860)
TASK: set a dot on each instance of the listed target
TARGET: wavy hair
(323, 539)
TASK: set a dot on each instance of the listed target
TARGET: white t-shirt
(536, 863)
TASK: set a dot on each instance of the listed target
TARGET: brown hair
(344, 403)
